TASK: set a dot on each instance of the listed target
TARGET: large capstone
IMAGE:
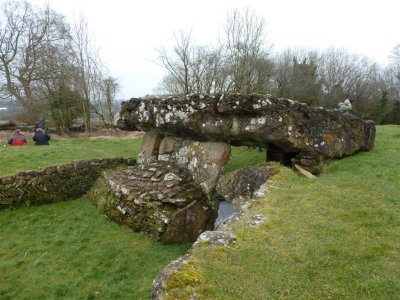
(288, 128)
(158, 199)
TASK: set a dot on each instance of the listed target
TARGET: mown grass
(336, 237)
(68, 250)
(244, 156)
(62, 151)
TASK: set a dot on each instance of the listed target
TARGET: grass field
(68, 250)
(65, 150)
(336, 237)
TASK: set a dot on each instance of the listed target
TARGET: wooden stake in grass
(304, 172)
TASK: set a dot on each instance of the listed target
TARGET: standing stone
(150, 146)
(205, 160)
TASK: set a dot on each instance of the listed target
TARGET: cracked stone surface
(158, 199)
(256, 120)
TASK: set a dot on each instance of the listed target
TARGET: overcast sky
(128, 32)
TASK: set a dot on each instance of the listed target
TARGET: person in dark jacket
(41, 137)
(17, 139)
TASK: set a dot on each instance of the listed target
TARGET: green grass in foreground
(69, 251)
(336, 237)
(64, 151)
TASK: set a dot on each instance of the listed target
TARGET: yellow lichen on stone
(181, 283)
(328, 138)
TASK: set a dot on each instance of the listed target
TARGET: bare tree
(90, 70)
(191, 68)
(246, 52)
(25, 35)
(109, 89)
(392, 81)
(296, 75)
(178, 65)
(240, 64)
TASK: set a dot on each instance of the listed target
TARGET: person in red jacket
(17, 139)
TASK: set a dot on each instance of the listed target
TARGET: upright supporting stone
(204, 160)
(150, 146)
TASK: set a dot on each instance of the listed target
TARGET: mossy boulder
(158, 199)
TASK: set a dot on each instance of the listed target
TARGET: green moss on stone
(182, 282)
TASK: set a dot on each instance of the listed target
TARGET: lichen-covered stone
(150, 146)
(215, 239)
(205, 161)
(158, 199)
(255, 120)
(243, 181)
(53, 183)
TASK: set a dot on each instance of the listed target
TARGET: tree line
(243, 62)
(51, 67)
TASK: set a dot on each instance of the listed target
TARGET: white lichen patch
(121, 210)
(182, 156)
(290, 130)
(168, 117)
(181, 114)
(162, 217)
(266, 102)
(171, 176)
(163, 157)
(143, 114)
(159, 120)
(193, 164)
(257, 121)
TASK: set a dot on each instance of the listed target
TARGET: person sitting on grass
(17, 139)
(41, 137)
